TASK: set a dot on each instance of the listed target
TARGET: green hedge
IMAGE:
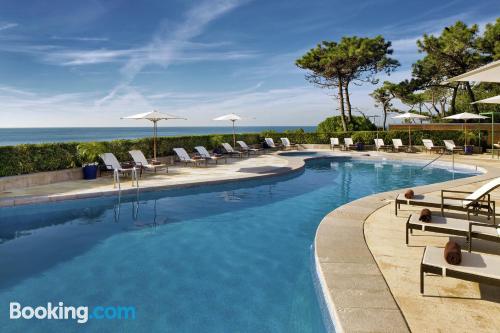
(30, 158)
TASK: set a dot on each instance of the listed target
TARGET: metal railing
(441, 155)
(116, 180)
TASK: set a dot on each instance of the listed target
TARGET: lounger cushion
(472, 263)
(483, 190)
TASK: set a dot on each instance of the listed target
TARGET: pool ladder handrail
(441, 155)
(116, 179)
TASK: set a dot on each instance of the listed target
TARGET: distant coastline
(15, 136)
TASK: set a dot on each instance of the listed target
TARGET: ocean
(15, 136)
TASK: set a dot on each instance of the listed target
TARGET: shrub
(334, 124)
(30, 158)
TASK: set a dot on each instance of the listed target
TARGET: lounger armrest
(453, 191)
(464, 199)
(480, 224)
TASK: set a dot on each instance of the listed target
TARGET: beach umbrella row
(156, 116)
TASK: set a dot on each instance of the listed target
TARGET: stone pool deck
(178, 176)
(370, 278)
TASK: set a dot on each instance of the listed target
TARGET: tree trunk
(341, 106)
(453, 99)
(471, 97)
(348, 101)
(385, 117)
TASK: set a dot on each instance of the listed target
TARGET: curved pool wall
(212, 258)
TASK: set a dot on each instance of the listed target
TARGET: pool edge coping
(294, 165)
(374, 202)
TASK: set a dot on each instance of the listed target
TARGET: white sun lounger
(246, 148)
(287, 144)
(453, 226)
(474, 201)
(231, 151)
(380, 145)
(334, 143)
(475, 267)
(398, 145)
(203, 152)
(271, 144)
(186, 159)
(111, 163)
(141, 161)
(349, 144)
(429, 146)
(450, 146)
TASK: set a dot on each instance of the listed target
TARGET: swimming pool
(219, 258)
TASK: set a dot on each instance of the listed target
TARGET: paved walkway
(178, 176)
(367, 271)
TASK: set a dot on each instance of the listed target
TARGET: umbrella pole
(234, 135)
(154, 139)
(465, 131)
(409, 136)
(492, 135)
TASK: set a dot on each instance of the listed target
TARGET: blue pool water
(224, 258)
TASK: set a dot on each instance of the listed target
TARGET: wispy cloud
(81, 39)
(265, 105)
(167, 44)
(8, 25)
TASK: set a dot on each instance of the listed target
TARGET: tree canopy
(335, 65)
(457, 49)
(334, 124)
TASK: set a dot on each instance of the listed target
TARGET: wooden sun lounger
(475, 267)
(203, 152)
(141, 161)
(231, 151)
(429, 146)
(399, 146)
(380, 145)
(288, 145)
(334, 143)
(452, 226)
(270, 143)
(451, 147)
(186, 159)
(477, 202)
(112, 164)
(246, 148)
(349, 144)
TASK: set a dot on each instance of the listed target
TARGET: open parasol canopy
(409, 115)
(155, 117)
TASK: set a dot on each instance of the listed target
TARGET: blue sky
(88, 63)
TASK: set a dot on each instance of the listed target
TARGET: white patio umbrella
(155, 117)
(231, 117)
(491, 100)
(409, 115)
(486, 73)
(465, 116)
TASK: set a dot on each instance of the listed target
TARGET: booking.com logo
(81, 314)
